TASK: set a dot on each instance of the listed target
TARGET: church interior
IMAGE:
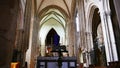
(59, 34)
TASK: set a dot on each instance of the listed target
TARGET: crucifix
(59, 49)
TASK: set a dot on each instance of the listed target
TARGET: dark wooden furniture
(52, 62)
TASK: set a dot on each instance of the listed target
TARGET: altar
(52, 62)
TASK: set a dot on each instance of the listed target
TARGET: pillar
(109, 40)
(89, 40)
(8, 19)
(42, 50)
(42, 46)
(117, 5)
(89, 46)
(70, 38)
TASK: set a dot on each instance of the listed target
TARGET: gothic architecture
(89, 30)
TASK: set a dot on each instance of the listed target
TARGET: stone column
(87, 59)
(29, 13)
(8, 19)
(42, 47)
(82, 20)
(42, 50)
(117, 5)
(108, 34)
(70, 38)
(112, 38)
(29, 30)
(89, 41)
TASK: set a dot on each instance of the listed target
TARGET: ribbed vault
(66, 5)
(53, 14)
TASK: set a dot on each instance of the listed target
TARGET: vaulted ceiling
(54, 14)
(58, 10)
(64, 6)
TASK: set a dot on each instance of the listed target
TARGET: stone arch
(44, 31)
(94, 20)
(56, 25)
(44, 10)
(55, 20)
(91, 10)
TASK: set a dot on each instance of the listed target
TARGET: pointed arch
(44, 10)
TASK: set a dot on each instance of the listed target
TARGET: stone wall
(8, 19)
